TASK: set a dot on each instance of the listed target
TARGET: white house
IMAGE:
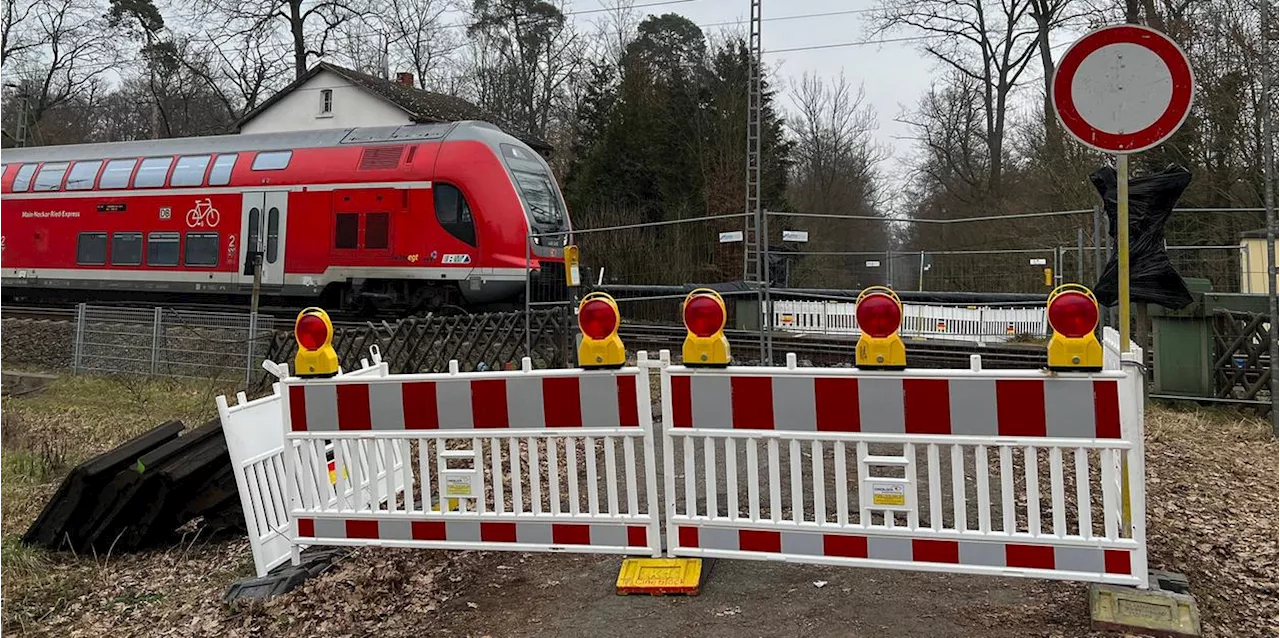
(330, 96)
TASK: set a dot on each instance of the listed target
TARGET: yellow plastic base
(601, 353)
(660, 576)
(1081, 354)
(887, 353)
(316, 363)
(1151, 612)
(710, 351)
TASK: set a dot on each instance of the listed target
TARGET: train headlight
(704, 318)
(314, 332)
(879, 315)
(598, 318)
(1073, 316)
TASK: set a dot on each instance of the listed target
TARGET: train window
(82, 174)
(454, 213)
(346, 230)
(271, 161)
(376, 226)
(91, 249)
(202, 249)
(273, 235)
(189, 171)
(117, 173)
(152, 172)
(22, 181)
(255, 230)
(126, 249)
(221, 173)
(50, 176)
(162, 249)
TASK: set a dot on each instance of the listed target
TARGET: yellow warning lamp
(314, 333)
(598, 318)
(879, 315)
(704, 317)
(1073, 316)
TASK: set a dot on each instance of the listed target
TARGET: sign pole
(1122, 238)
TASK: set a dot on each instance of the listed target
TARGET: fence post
(157, 317)
(79, 343)
(253, 334)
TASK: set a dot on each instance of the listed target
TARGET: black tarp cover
(1152, 278)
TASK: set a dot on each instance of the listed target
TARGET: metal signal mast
(755, 235)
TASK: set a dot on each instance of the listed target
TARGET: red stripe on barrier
(752, 402)
(846, 546)
(1106, 409)
(569, 534)
(561, 402)
(836, 404)
(754, 540)
(688, 536)
(934, 551)
(306, 528)
(489, 403)
(498, 532)
(1117, 561)
(428, 530)
(637, 536)
(1020, 407)
(419, 402)
(298, 408)
(628, 405)
(927, 403)
(362, 529)
(353, 407)
(681, 404)
(1028, 556)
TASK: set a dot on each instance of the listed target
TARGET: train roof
(474, 129)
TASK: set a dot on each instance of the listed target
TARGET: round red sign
(1123, 88)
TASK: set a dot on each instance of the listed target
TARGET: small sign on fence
(1038, 261)
(730, 237)
(795, 235)
(871, 263)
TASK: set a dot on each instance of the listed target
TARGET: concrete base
(284, 578)
(1165, 610)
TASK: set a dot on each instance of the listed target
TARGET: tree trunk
(1131, 11)
(299, 39)
(1052, 136)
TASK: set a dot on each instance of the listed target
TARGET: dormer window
(326, 102)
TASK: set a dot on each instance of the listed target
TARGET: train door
(262, 229)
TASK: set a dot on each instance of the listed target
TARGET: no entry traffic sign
(1123, 88)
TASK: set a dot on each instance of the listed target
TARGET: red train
(389, 218)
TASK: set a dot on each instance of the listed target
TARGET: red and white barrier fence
(530, 460)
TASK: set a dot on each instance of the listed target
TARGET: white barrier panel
(979, 324)
(1021, 469)
(478, 442)
(255, 443)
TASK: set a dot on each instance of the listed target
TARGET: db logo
(204, 214)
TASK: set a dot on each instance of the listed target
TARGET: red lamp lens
(597, 319)
(311, 332)
(703, 316)
(1073, 315)
(878, 315)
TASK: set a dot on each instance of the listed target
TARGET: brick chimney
(405, 79)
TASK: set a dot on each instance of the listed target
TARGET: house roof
(425, 107)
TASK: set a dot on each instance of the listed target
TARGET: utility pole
(20, 131)
(1269, 203)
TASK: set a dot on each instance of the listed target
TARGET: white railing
(979, 324)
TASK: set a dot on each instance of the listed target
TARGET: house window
(117, 173)
(91, 249)
(346, 232)
(126, 249)
(162, 249)
(326, 102)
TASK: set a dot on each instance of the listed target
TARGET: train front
(549, 226)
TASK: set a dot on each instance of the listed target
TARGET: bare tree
(13, 24)
(312, 24)
(989, 43)
(419, 39)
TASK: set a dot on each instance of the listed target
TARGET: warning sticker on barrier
(891, 494)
